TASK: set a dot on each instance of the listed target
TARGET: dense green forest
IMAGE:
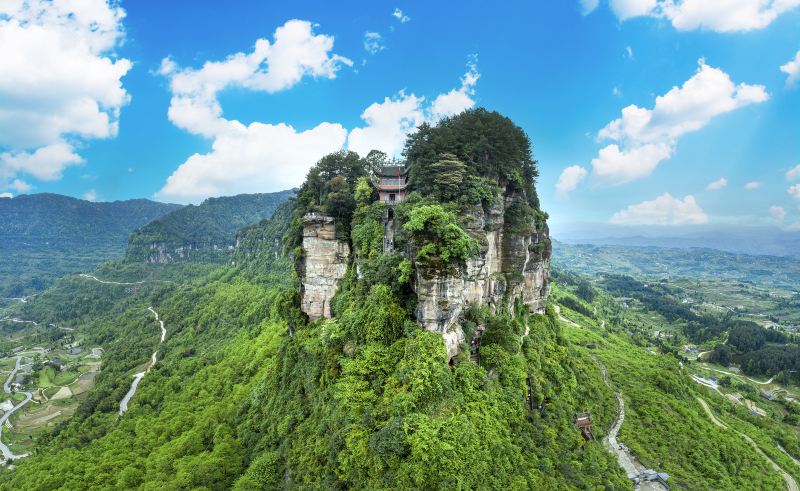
(250, 394)
(203, 232)
(45, 236)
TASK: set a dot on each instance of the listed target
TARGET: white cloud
(255, 158)
(778, 213)
(793, 173)
(373, 42)
(59, 82)
(794, 191)
(569, 179)
(20, 186)
(615, 166)
(616, 92)
(625, 9)
(271, 67)
(708, 93)
(399, 15)
(46, 163)
(90, 195)
(588, 6)
(457, 100)
(629, 52)
(718, 15)
(261, 156)
(648, 136)
(664, 210)
(258, 156)
(792, 69)
(752, 185)
(718, 184)
(6, 195)
(389, 122)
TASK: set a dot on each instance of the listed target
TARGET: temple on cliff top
(391, 183)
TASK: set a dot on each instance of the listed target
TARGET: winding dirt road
(123, 405)
(624, 457)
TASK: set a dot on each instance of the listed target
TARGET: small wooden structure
(584, 423)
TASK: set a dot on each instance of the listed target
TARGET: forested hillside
(249, 392)
(44, 236)
(204, 232)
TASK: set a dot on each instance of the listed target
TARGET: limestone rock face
(324, 264)
(514, 262)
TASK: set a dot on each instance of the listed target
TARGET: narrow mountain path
(92, 277)
(624, 457)
(742, 376)
(124, 283)
(123, 405)
(7, 453)
(557, 308)
(791, 484)
(18, 321)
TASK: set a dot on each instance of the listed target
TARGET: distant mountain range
(204, 232)
(38, 219)
(45, 236)
(755, 240)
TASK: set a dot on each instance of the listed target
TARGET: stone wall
(324, 264)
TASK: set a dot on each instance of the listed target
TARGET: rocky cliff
(514, 262)
(323, 265)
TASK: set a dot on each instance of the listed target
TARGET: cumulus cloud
(457, 100)
(752, 185)
(792, 69)
(389, 122)
(778, 213)
(617, 166)
(261, 156)
(793, 173)
(60, 82)
(794, 191)
(258, 156)
(373, 42)
(646, 137)
(400, 16)
(569, 179)
(6, 195)
(718, 184)
(664, 210)
(719, 16)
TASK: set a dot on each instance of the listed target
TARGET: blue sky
(133, 113)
